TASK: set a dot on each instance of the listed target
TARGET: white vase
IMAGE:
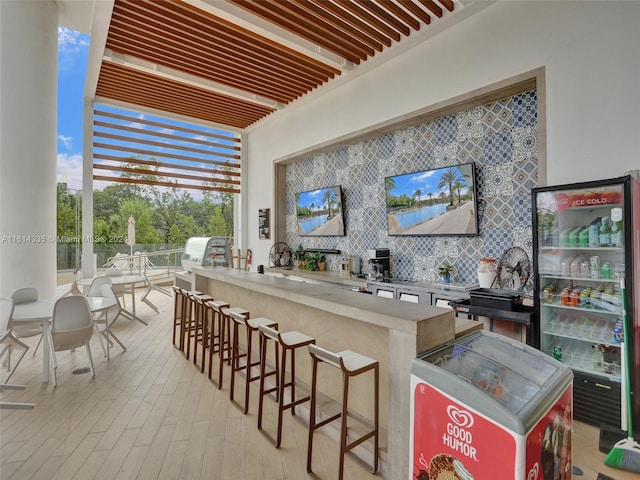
(487, 271)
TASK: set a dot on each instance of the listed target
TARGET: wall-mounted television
(320, 212)
(439, 201)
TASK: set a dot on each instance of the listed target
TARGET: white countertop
(337, 299)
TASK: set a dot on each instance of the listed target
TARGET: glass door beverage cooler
(586, 238)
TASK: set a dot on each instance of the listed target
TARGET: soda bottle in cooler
(594, 232)
(605, 233)
(616, 235)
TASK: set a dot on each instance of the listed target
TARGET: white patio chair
(95, 290)
(105, 320)
(71, 328)
(7, 339)
(119, 290)
(74, 289)
(26, 295)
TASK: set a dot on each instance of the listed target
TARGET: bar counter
(392, 332)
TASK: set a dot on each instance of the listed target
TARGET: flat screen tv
(439, 201)
(320, 212)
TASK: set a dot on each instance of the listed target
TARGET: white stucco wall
(591, 52)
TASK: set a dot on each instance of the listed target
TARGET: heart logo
(533, 473)
(462, 418)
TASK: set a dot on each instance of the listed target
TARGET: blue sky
(427, 181)
(73, 52)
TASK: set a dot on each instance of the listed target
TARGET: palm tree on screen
(457, 186)
(448, 179)
(417, 194)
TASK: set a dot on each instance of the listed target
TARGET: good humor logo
(458, 435)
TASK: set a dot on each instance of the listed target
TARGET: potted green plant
(313, 261)
(322, 263)
(445, 270)
(301, 256)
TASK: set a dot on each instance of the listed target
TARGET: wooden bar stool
(288, 342)
(219, 343)
(185, 317)
(191, 315)
(351, 364)
(199, 330)
(177, 315)
(240, 317)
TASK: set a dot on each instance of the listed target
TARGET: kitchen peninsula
(339, 318)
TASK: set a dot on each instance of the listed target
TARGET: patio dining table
(124, 280)
(41, 312)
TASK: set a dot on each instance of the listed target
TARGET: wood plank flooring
(150, 414)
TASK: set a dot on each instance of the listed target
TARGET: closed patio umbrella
(131, 233)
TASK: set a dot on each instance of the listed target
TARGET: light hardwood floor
(150, 414)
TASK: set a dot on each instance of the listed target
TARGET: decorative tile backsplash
(501, 137)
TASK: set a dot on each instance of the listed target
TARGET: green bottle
(605, 233)
(617, 235)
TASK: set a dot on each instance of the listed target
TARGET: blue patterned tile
(504, 147)
(342, 157)
(386, 146)
(498, 116)
(521, 210)
(469, 124)
(422, 160)
(525, 111)
(445, 155)
(525, 143)
(370, 173)
(470, 150)
(496, 148)
(444, 130)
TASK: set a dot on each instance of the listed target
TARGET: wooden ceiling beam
(156, 154)
(342, 29)
(144, 121)
(209, 48)
(416, 10)
(153, 133)
(384, 16)
(179, 166)
(433, 7)
(165, 184)
(296, 24)
(373, 20)
(347, 16)
(158, 173)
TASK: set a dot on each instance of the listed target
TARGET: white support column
(240, 210)
(87, 189)
(28, 131)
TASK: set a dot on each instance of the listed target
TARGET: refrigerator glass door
(581, 254)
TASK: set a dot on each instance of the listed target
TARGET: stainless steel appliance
(206, 252)
(379, 261)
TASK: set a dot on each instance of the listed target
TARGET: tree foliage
(163, 216)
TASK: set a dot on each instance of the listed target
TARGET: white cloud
(70, 41)
(69, 170)
(66, 141)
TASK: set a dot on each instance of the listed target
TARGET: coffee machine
(379, 260)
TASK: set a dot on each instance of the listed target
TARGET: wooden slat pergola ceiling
(190, 59)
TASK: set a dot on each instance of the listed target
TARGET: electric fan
(514, 269)
(280, 255)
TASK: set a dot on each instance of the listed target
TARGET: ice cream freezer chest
(487, 407)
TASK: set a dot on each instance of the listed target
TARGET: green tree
(457, 186)
(417, 194)
(447, 179)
